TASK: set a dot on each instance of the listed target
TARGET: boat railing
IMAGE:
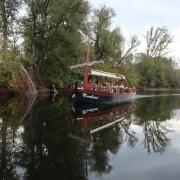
(107, 89)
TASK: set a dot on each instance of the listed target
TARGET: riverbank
(41, 90)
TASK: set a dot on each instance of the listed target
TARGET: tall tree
(8, 12)
(102, 31)
(108, 42)
(52, 34)
(157, 41)
(155, 67)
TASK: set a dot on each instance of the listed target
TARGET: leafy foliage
(11, 75)
(8, 22)
(57, 34)
(155, 68)
(52, 38)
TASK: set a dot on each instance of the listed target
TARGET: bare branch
(133, 45)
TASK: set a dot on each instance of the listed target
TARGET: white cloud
(154, 6)
(137, 16)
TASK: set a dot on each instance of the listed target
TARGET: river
(52, 138)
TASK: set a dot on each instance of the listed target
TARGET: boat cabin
(103, 82)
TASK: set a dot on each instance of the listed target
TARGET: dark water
(45, 139)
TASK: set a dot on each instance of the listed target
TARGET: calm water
(54, 139)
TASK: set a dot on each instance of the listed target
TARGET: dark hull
(95, 110)
(101, 97)
(91, 118)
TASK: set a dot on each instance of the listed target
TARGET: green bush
(9, 75)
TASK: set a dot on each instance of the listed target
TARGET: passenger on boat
(98, 86)
(113, 86)
(103, 87)
(121, 87)
(94, 86)
(108, 87)
(117, 88)
(126, 89)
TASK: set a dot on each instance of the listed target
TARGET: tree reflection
(48, 151)
(130, 134)
(100, 145)
(35, 142)
(38, 140)
(12, 112)
(155, 137)
(156, 108)
(150, 113)
(109, 141)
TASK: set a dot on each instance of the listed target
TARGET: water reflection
(41, 139)
(12, 113)
(149, 114)
(105, 127)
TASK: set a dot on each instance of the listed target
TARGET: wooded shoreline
(44, 91)
(41, 91)
(60, 34)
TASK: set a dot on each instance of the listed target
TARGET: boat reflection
(90, 119)
(102, 130)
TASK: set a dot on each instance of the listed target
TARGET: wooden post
(86, 76)
(86, 70)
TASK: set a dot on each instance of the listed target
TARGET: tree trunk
(4, 24)
(34, 24)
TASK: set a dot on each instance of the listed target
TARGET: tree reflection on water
(42, 150)
(150, 114)
(40, 139)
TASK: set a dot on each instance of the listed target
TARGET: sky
(137, 16)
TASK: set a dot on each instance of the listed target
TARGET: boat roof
(87, 64)
(97, 72)
(106, 74)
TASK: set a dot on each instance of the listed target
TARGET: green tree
(109, 43)
(155, 67)
(157, 42)
(102, 24)
(53, 35)
(8, 16)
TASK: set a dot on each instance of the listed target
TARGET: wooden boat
(102, 94)
(86, 93)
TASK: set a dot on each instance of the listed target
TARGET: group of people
(102, 87)
(109, 87)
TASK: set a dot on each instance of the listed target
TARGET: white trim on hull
(90, 98)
